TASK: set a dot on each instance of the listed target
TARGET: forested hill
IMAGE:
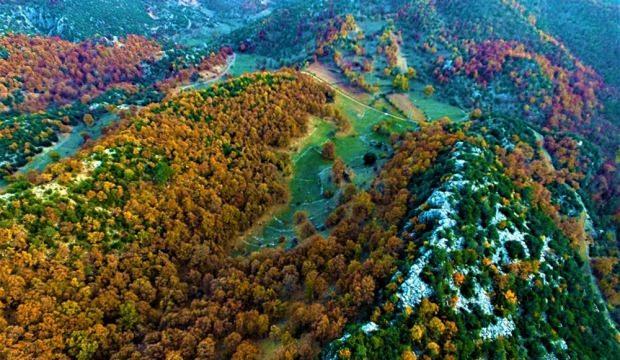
(249, 179)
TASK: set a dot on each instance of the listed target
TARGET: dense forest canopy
(248, 179)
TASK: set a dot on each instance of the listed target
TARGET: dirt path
(400, 58)
(544, 151)
(587, 266)
(38, 163)
(230, 63)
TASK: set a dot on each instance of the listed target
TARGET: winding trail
(230, 63)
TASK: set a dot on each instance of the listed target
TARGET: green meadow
(311, 173)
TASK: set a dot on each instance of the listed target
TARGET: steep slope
(83, 19)
(594, 37)
(489, 273)
(476, 237)
(120, 232)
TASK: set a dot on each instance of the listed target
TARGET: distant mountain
(76, 20)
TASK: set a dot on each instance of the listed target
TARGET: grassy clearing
(403, 103)
(70, 143)
(333, 76)
(245, 63)
(434, 109)
(305, 186)
(311, 173)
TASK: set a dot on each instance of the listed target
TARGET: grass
(245, 63)
(434, 109)
(403, 103)
(305, 187)
(70, 144)
(311, 172)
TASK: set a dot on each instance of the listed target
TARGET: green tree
(401, 82)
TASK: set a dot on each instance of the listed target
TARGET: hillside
(375, 179)
(83, 19)
(487, 265)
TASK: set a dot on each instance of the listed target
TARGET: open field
(403, 103)
(333, 77)
(434, 109)
(311, 173)
(245, 63)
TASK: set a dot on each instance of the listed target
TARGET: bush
(54, 155)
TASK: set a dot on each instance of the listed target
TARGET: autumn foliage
(209, 68)
(568, 104)
(141, 263)
(41, 71)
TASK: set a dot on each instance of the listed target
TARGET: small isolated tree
(370, 158)
(54, 155)
(429, 90)
(401, 82)
(339, 172)
(367, 65)
(476, 114)
(411, 73)
(88, 119)
(329, 151)
(304, 226)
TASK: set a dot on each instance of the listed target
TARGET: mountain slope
(488, 270)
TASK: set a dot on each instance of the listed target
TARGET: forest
(309, 179)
